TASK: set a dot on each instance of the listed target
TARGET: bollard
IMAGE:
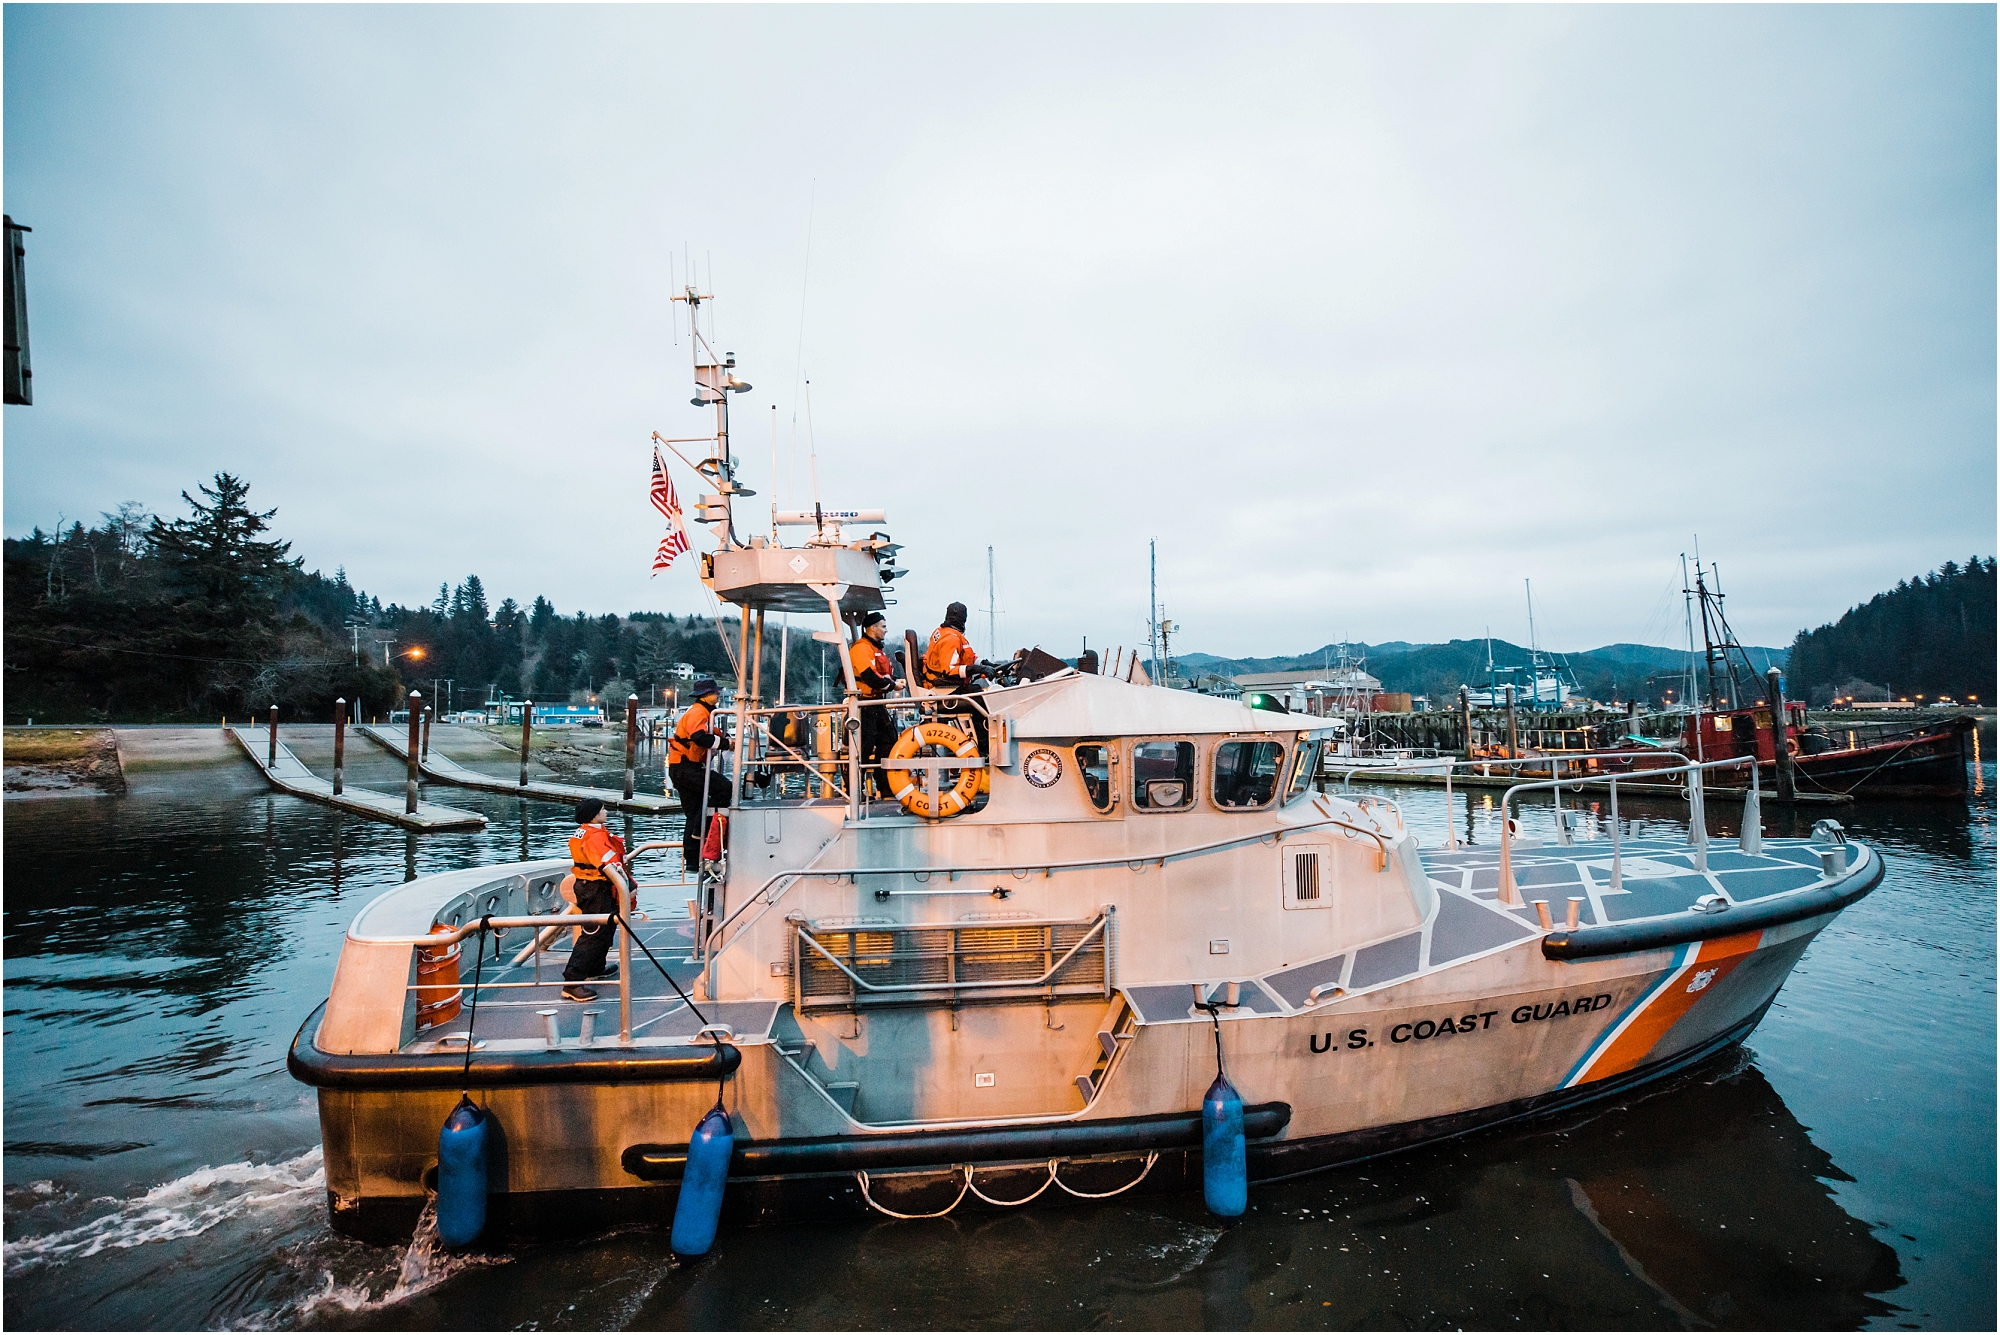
(1750, 839)
(1698, 821)
(1617, 861)
(550, 1033)
(274, 736)
(1542, 915)
(416, 726)
(339, 743)
(527, 721)
(1575, 913)
(587, 1035)
(631, 739)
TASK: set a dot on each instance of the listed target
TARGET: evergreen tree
(217, 557)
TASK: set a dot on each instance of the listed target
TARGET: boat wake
(420, 1266)
(182, 1208)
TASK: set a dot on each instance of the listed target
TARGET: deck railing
(1510, 895)
(1554, 762)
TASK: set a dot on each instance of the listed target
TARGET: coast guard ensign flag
(676, 540)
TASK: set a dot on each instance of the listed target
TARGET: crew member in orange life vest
(874, 678)
(948, 665)
(687, 754)
(594, 854)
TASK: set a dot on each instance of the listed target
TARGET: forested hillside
(1614, 672)
(1930, 636)
(146, 619)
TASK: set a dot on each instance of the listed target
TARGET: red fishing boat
(1927, 759)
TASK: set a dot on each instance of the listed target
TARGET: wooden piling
(415, 754)
(1774, 692)
(631, 738)
(427, 731)
(527, 721)
(339, 745)
(1513, 727)
(274, 735)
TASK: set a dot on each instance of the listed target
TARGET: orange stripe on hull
(1716, 959)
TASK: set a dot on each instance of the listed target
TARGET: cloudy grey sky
(1367, 314)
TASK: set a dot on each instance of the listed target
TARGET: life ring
(946, 801)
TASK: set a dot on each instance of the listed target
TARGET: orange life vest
(867, 656)
(681, 750)
(593, 848)
(947, 657)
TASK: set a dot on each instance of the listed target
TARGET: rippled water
(162, 1170)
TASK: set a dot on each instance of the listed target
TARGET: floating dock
(441, 768)
(290, 775)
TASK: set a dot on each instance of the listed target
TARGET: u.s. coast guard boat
(913, 1012)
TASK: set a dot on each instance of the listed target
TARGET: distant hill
(1614, 672)
(1930, 636)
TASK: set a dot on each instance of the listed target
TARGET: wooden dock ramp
(443, 769)
(290, 775)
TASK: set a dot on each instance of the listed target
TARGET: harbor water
(162, 1170)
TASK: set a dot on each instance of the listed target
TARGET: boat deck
(1658, 877)
(510, 1017)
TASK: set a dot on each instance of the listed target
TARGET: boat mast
(1153, 601)
(1692, 700)
(992, 635)
(1534, 652)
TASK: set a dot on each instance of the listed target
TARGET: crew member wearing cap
(687, 766)
(595, 856)
(874, 678)
(948, 666)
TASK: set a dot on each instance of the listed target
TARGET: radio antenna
(812, 444)
(799, 355)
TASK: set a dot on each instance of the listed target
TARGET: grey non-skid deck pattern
(511, 1013)
(443, 769)
(1657, 876)
(291, 775)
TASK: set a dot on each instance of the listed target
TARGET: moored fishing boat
(1023, 976)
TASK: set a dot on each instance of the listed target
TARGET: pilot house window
(1162, 775)
(1246, 773)
(1093, 764)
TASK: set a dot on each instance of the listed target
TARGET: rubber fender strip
(560, 1066)
(918, 1149)
(1680, 928)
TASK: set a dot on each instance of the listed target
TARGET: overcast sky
(1367, 315)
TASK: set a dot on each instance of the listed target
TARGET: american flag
(676, 540)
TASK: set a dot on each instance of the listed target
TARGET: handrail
(457, 934)
(1510, 896)
(1554, 763)
(1096, 928)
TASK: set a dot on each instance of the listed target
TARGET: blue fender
(1225, 1166)
(699, 1208)
(461, 1198)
